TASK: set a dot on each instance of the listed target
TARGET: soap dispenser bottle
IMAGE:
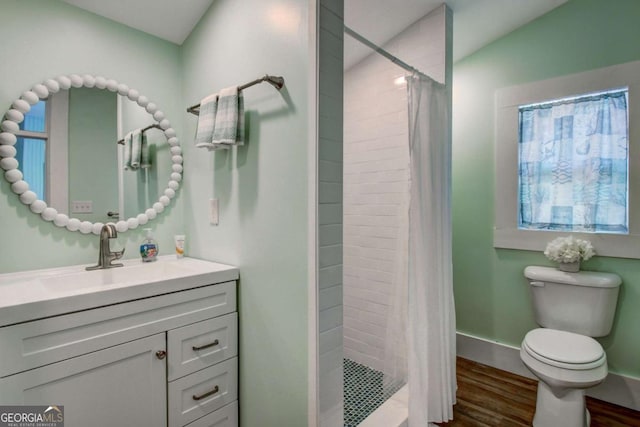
(149, 247)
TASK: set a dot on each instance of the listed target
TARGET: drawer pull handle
(202, 347)
(207, 394)
(161, 354)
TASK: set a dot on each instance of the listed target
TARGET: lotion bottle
(149, 247)
(179, 241)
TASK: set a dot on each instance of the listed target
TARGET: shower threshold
(392, 413)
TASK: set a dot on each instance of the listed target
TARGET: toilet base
(566, 410)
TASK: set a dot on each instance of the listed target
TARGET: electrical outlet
(81, 206)
(213, 211)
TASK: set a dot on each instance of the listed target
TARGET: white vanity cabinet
(120, 385)
(164, 360)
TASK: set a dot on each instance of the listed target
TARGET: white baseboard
(618, 389)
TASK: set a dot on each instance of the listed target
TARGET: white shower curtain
(420, 345)
(431, 312)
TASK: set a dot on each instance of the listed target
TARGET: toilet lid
(564, 347)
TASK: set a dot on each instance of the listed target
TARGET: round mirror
(58, 144)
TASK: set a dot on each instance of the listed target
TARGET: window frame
(507, 101)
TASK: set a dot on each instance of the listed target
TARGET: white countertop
(36, 294)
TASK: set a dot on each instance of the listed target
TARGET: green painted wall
(492, 299)
(262, 192)
(43, 39)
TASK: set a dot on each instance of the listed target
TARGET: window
(42, 149)
(31, 147)
(569, 163)
(573, 164)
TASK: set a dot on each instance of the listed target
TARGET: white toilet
(571, 308)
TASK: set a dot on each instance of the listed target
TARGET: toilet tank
(583, 302)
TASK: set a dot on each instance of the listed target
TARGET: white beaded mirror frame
(8, 162)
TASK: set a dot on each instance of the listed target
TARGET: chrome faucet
(105, 256)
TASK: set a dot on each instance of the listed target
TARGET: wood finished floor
(492, 397)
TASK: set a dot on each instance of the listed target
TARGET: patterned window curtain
(36, 119)
(32, 160)
(31, 152)
(573, 164)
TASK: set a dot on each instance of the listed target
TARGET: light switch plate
(213, 211)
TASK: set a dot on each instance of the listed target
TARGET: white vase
(569, 267)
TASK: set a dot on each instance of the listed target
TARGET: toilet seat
(564, 349)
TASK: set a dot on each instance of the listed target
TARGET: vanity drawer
(223, 417)
(202, 392)
(40, 342)
(194, 347)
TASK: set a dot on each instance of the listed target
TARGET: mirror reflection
(80, 147)
(80, 150)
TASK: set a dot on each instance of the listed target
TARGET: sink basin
(129, 274)
(66, 289)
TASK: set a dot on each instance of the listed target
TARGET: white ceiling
(171, 20)
(476, 22)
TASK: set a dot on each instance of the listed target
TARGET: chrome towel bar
(275, 81)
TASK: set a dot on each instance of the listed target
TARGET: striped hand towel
(136, 148)
(229, 123)
(145, 158)
(127, 151)
(207, 121)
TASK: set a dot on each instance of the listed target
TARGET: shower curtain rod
(121, 141)
(275, 81)
(383, 52)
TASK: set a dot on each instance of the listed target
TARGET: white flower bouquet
(569, 250)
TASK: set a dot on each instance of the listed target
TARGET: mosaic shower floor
(363, 392)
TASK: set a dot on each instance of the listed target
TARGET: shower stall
(376, 202)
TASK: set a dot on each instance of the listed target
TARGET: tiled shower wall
(375, 176)
(330, 212)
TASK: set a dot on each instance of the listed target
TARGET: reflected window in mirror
(31, 147)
